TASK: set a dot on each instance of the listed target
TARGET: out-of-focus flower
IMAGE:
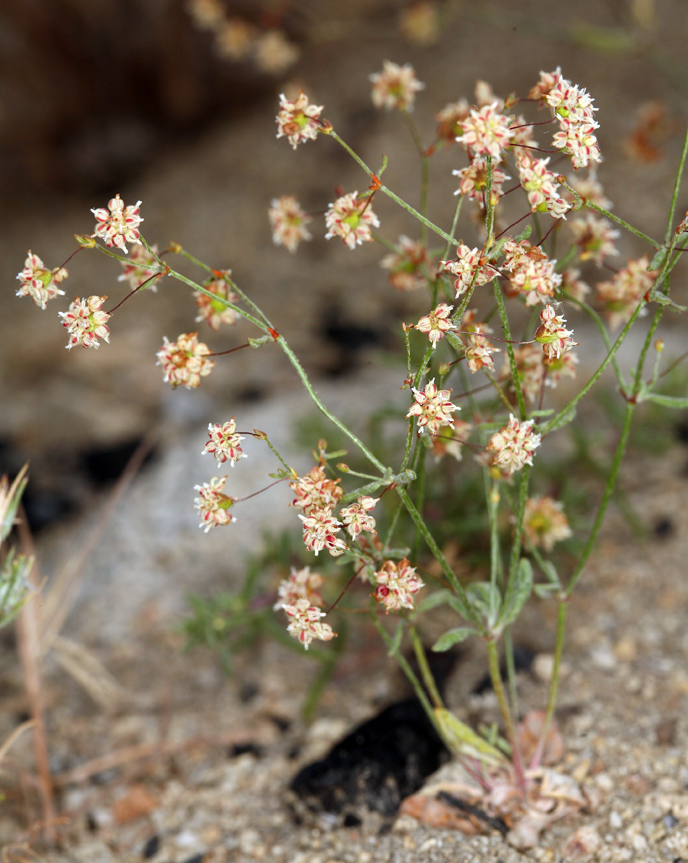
(486, 132)
(355, 517)
(480, 349)
(40, 283)
(553, 336)
(591, 189)
(473, 179)
(573, 285)
(449, 441)
(301, 584)
(545, 522)
(531, 371)
(397, 583)
(450, 119)
(118, 225)
(351, 220)
(395, 87)
(468, 264)
(85, 322)
(594, 237)
(514, 445)
(563, 367)
(184, 362)
(304, 623)
(405, 265)
(141, 267)
(485, 95)
(213, 506)
(215, 312)
(288, 222)
(621, 295)
(235, 38)
(274, 52)
(206, 14)
(436, 324)
(544, 86)
(315, 491)
(298, 120)
(224, 442)
(433, 408)
(420, 22)
(320, 529)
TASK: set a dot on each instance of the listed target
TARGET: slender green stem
(392, 528)
(189, 257)
(277, 455)
(496, 564)
(424, 171)
(638, 379)
(613, 218)
(425, 671)
(510, 670)
(510, 350)
(390, 194)
(677, 186)
(518, 528)
(605, 338)
(241, 312)
(419, 469)
(553, 684)
(507, 719)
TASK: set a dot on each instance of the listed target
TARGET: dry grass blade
(15, 735)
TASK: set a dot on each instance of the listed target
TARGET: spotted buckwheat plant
(505, 292)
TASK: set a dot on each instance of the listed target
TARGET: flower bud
(85, 242)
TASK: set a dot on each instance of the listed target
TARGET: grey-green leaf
(517, 592)
(454, 636)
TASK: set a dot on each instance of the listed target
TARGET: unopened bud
(443, 369)
(175, 248)
(659, 345)
(344, 468)
(259, 342)
(85, 242)
(260, 434)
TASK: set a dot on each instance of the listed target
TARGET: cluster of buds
(473, 180)
(141, 268)
(298, 120)
(288, 222)
(305, 623)
(621, 294)
(594, 238)
(301, 584)
(356, 518)
(436, 324)
(486, 132)
(315, 491)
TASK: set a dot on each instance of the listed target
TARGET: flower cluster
(40, 283)
(355, 517)
(436, 324)
(85, 322)
(213, 506)
(301, 584)
(532, 272)
(184, 362)
(473, 180)
(514, 445)
(397, 582)
(315, 491)
(573, 109)
(621, 295)
(405, 265)
(215, 312)
(433, 408)
(553, 336)
(395, 87)
(545, 523)
(298, 120)
(469, 265)
(594, 237)
(480, 349)
(450, 441)
(351, 220)
(541, 186)
(224, 443)
(486, 132)
(118, 225)
(320, 529)
(141, 267)
(304, 622)
(450, 120)
(288, 222)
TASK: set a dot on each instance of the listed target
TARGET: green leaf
(517, 592)
(461, 740)
(551, 573)
(455, 341)
(663, 300)
(545, 591)
(659, 258)
(454, 636)
(486, 598)
(676, 402)
(564, 418)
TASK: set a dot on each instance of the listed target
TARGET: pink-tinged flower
(421, 22)
(570, 103)
(213, 506)
(594, 237)
(215, 312)
(288, 222)
(450, 120)
(433, 408)
(553, 336)
(579, 142)
(395, 87)
(541, 186)
(40, 283)
(315, 491)
(304, 623)
(479, 349)
(531, 372)
(517, 254)
(185, 362)
(544, 86)
(625, 290)
(351, 220)
(573, 285)
(485, 95)
(437, 323)
(545, 522)
(450, 441)
(591, 189)
(140, 268)
(564, 367)
(355, 517)
(396, 585)
(320, 529)
(405, 265)
(85, 322)
(298, 120)
(301, 584)
(514, 445)
(473, 180)
(274, 53)
(535, 277)
(486, 132)
(224, 442)
(118, 224)
(469, 264)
